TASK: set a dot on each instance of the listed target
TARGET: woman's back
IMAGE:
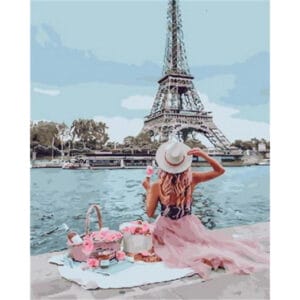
(169, 206)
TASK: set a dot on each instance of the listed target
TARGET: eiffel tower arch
(177, 108)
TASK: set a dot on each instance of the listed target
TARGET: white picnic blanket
(121, 275)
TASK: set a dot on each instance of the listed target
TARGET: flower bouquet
(102, 245)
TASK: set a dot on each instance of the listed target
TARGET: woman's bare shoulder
(195, 174)
(195, 180)
(155, 185)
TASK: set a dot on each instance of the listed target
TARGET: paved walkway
(46, 282)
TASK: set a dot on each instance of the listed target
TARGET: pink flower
(120, 255)
(95, 235)
(102, 235)
(145, 228)
(105, 231)
(93, 262)
(138, 227)
(149, 171)
(88, 245)
(126, 229)
(107, 235)
(109, 238)
(119, 235)
(132, 229)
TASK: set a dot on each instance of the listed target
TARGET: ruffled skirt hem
(187, 243)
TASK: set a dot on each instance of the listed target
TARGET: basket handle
(87, 219)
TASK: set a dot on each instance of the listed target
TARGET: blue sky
(102, 60)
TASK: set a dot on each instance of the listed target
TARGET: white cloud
(120, 127)
(232, 127)
(47, 92)
(138, 102)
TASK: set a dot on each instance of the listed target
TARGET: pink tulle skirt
(187, 243)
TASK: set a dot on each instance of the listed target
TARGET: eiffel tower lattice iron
(177, 108)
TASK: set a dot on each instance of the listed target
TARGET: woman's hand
(146, 183)
(197, 152)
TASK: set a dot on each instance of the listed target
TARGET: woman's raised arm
(151, 197)
(205, 176)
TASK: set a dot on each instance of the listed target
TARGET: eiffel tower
(177, 108)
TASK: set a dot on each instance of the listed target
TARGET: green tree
(249, 145)
(90, 133)
(44, 133)
(255, 143)
(64, 135)
(129, 141)
(44, 138)
(143, 140)
(109, 146)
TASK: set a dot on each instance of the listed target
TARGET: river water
(239, 197)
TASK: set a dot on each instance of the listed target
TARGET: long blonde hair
(176, 184)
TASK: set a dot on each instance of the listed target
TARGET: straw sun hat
(172, 157)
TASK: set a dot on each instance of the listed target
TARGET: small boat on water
(264, 162)
(74, 164)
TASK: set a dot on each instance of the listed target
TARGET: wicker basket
(99, 248)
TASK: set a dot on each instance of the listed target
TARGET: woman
(179, 237)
